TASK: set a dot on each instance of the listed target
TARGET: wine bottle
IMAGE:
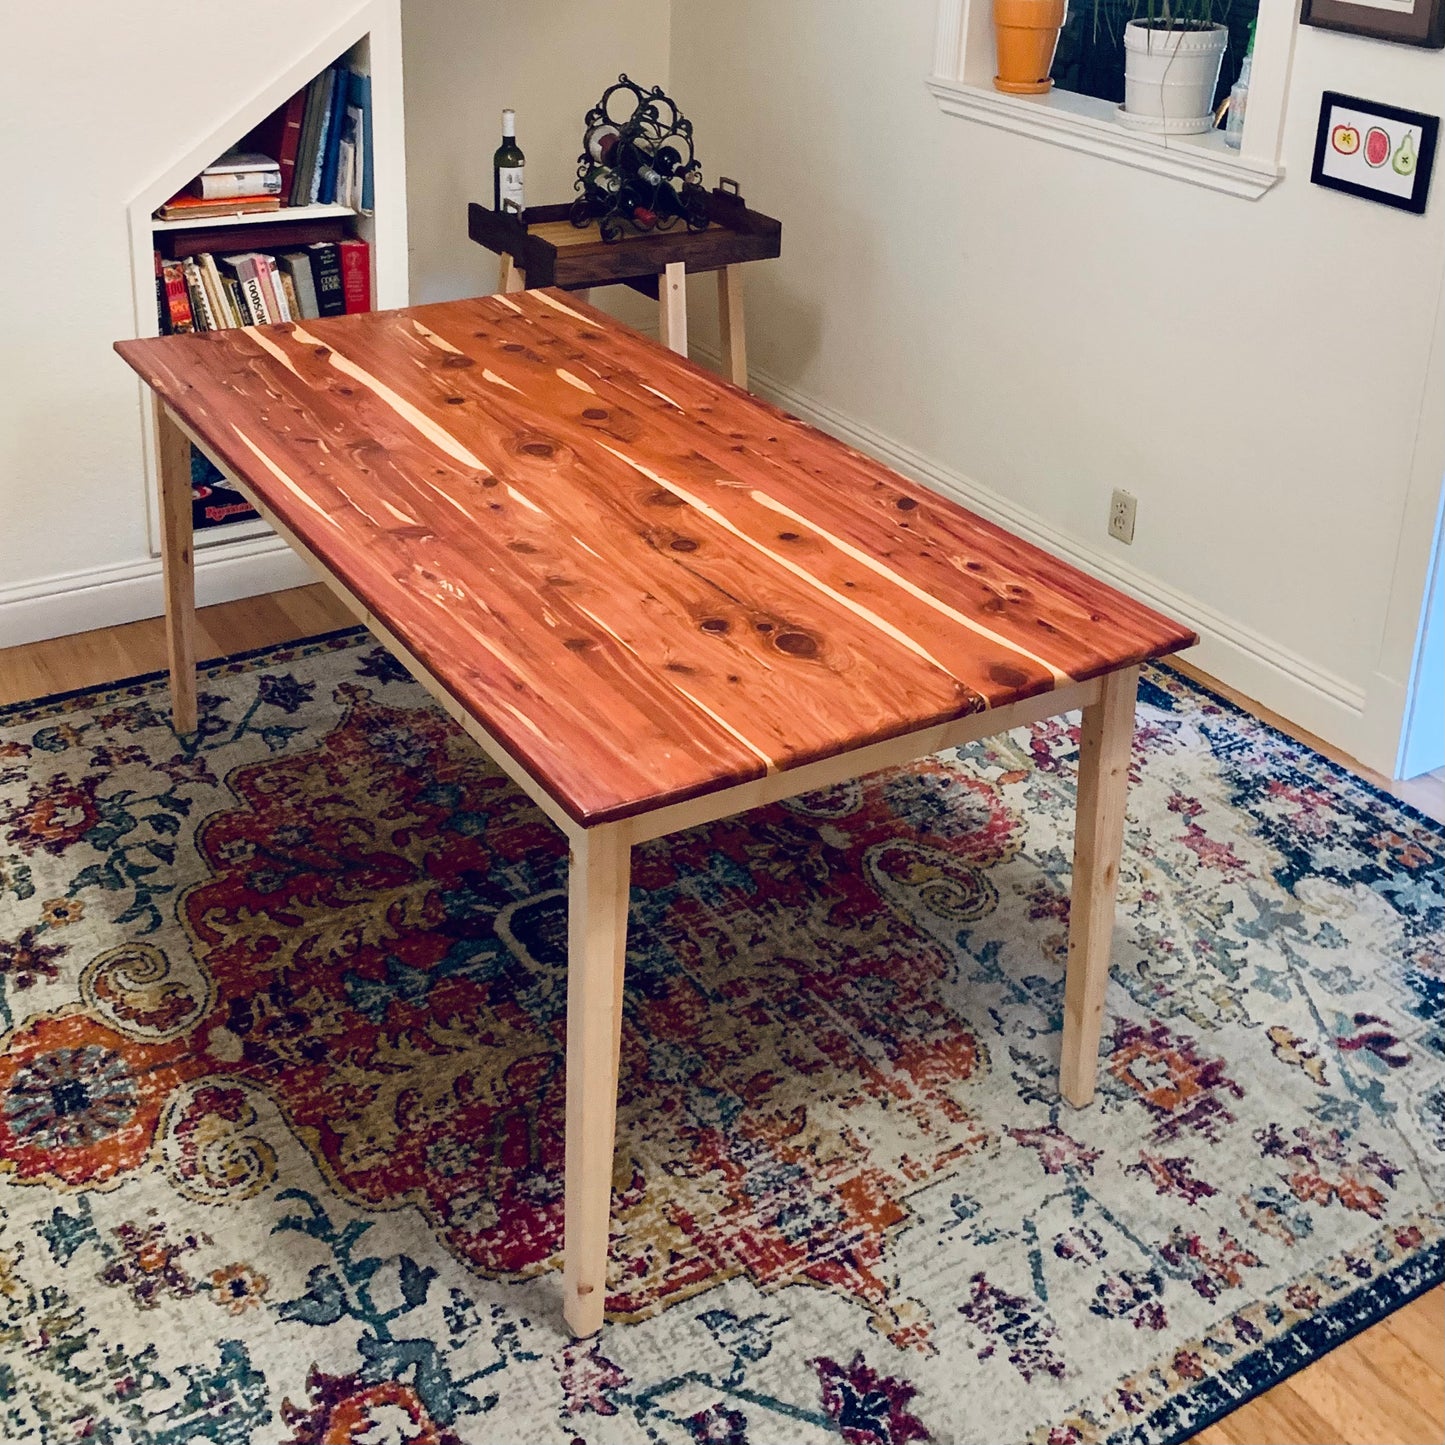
(507, 166)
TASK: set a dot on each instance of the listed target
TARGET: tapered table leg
(173, 468)
(1104, 751)
(672, 307)
(596, 947)
(732, 337)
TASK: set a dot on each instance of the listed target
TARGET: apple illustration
(1345, 139)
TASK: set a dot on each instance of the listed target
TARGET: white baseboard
(1308, 695)
(106, 596)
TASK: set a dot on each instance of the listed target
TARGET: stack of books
(210, 292)
(313, 150)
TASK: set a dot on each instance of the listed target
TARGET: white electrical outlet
(1121, 515)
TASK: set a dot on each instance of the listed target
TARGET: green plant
(1165, 14)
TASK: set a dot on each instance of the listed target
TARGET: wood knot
(787, 536)
(526, 548)
(579, 644)
(321, 351)
(596, 413)
(714, 624)
(797, 644)
(662, 498)
(681, 667)
(458, 363)
(763, 626)
(905, 504)
(455, 400)
(538, 449)
(683, 544)
(1007, 676)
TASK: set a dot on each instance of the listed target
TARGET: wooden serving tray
(553, 252)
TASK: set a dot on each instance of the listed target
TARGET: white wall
(97, 105)
(465, 60)
(1035, 327)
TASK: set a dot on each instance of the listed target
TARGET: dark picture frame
(1331, 102)
(1424, 25)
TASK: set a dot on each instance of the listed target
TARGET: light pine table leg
(596, 946)
(672, 307)
(732, 336)
(173, 468)
(510, 276)
(1104, 751)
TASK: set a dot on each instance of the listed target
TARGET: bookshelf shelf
(254, 218)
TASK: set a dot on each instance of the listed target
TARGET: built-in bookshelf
(369, 46)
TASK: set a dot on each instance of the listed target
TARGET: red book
(178, 299)
(356, 275)
(279, 136)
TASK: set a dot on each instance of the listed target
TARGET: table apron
(727, 802)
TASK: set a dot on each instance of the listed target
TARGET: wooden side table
(548, 250)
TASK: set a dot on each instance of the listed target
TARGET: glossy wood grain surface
(645, 583)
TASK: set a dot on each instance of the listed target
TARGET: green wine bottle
(507, 166)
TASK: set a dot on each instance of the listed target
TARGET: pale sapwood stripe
(438, 435)
(298, 492)
(723, 723)
(508, 303)
(489, 375)
(752, 747)
(430, 335)
(556, 305)
(575, 381)
(398, 513)
(662, 394)
(271, 349)
(713, 515)
(912, 588)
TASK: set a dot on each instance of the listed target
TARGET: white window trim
(962, 83)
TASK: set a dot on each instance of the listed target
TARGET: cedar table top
(645, 583)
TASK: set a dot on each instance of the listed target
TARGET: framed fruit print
(1410, 22)
(1378, 152)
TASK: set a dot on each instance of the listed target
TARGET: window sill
(1082, 123)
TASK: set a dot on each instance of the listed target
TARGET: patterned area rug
(281, 1087)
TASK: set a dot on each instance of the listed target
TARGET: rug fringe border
(1431, 1264)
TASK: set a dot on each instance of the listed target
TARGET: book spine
(215, 301)
(225, 312)
(291, 140)
(237, 298)
(288, 295)
(251, 287)
(178, 302)
(323, 134)
(276, 295)
(232, 185)
(163, 307)
(356, 275)
(326, 274)
(327, 194)
(362, 94)
(298, 267)
(200, 302)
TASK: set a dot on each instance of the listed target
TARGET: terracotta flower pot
(1026, 32)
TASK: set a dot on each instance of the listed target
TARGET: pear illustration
(1403, 161)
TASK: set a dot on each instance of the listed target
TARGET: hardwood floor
(1384, 1387)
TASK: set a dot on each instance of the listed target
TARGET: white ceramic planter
(1169, 78)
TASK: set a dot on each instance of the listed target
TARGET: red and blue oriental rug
(281, 1087)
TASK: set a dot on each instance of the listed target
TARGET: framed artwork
(1411, 22)
(1378, 152)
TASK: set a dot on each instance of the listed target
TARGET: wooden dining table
(654, 601)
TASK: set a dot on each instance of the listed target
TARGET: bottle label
(509, 188)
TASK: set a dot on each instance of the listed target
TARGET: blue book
(361, 98)
(332, 153)
(323, 131)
